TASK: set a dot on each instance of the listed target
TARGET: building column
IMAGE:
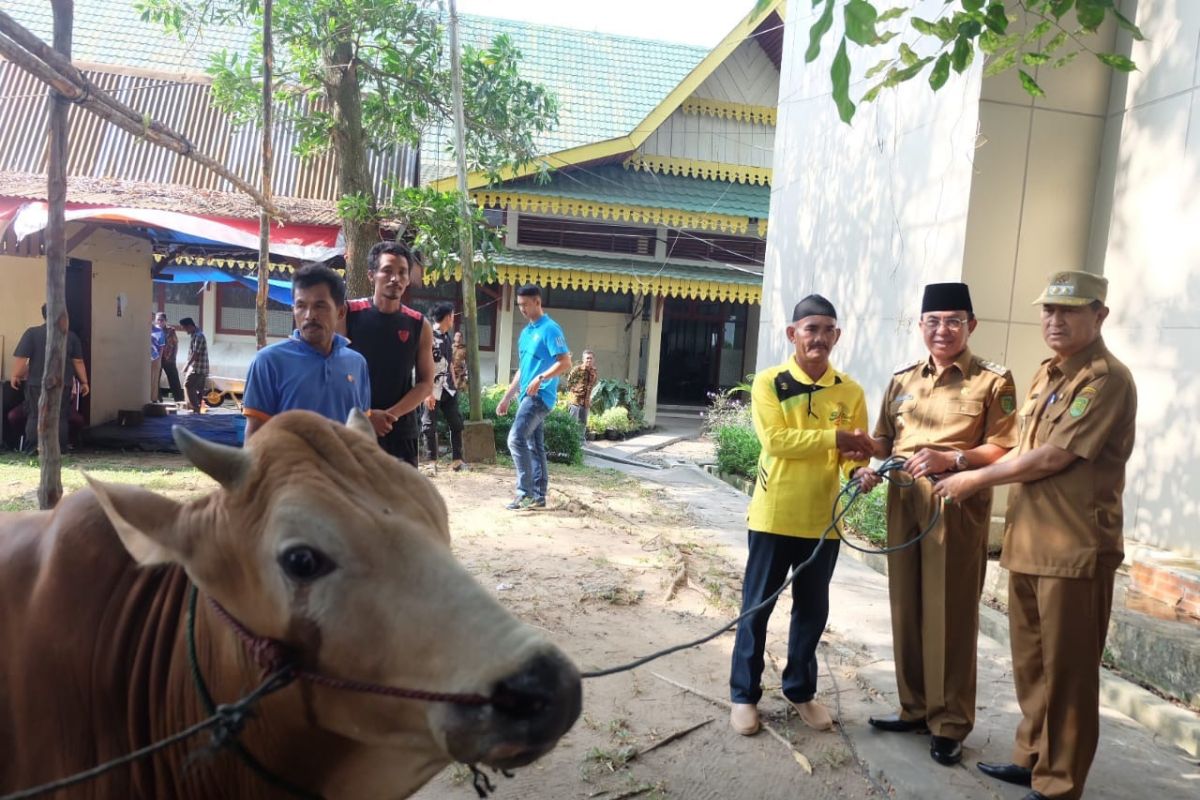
(656, 325)
(750, 351)
(635, 342)
(504, 335)
(208, 313)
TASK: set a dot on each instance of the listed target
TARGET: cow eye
(304, 564)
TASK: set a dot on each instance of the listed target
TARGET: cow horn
(357, 421)
(226, 465)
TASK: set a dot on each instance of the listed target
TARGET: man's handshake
(856, 445)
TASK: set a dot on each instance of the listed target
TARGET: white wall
(1150, 251)
(601, 332)
(865, 214)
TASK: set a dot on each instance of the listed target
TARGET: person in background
(398, 345)
(158, 338)
(580, 382)
(195, 371)
(314, 369)
(445, 393)
(29, 365)
(543, 357)
(169, 352)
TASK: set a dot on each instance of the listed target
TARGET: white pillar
(656, 324)
(635, 341)
(504, 335)
(208, 312)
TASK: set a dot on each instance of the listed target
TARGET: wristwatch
(960, 461)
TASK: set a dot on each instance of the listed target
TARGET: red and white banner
(305, 242)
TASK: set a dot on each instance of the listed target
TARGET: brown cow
(316, 538)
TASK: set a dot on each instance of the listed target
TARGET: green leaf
(908, 56)
(1090, 13)
(972, 5)
(940, 72)
(839, 73)
(1030, 85)
(908, 73)
(969, 28)
(878, 68)
(989, 42)
(1059, 8)
(818, 31)
(923, 26)
(1067, 59)
(997, 18)
(1038, 31)
(886, 37)
(860, 22)
(1128, 25)
(1001, 64)
(895, 12)
(1055, 43)
(1034, 59)
(1117, 62)
(962, 55)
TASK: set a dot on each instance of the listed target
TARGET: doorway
(703, 349)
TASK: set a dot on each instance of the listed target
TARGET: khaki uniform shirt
(969, 403)
(1070, 523)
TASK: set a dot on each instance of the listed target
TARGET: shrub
(868, 516)
(614, 419)
(723, 411)
(737, 450)
(561, 430)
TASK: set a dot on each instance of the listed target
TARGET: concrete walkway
(1130, 762)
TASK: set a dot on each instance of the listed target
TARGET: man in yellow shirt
(810, 419)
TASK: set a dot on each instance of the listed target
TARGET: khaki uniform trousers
(935, 588)
(1058, 627)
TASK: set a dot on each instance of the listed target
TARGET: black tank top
(389, 344)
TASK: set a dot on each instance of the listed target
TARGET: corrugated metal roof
(102, 150)
(615, 184)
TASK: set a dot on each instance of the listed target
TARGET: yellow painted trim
(569, 206)
(708, 170)
(224, 263)
(625, 144)
(761, 115)
(620, 282)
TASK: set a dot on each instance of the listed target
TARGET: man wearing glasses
(948, 412)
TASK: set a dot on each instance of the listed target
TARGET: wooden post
(264, 219)
(51, 400)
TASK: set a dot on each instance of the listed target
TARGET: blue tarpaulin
(278, 290)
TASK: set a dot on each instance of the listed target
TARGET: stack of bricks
(1170, 580)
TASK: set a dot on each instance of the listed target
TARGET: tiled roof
(615, 184)
(112, 32)
(718, 273)
(605, 84)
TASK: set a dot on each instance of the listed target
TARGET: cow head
(320, 539)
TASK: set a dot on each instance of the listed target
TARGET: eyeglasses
(952, 324)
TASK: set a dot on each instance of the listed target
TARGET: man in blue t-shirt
(315, 369)
(543, 357)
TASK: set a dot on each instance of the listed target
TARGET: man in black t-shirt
(398, 345)
(29, 361)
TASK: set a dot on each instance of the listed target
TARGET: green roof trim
(621, 186)
(547, 259)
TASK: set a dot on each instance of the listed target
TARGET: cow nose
(547, 689)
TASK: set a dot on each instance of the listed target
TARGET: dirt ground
(613, 570)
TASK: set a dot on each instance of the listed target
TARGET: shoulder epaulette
(908, 366)
(992, 366)
(412, 312)
(358, 305)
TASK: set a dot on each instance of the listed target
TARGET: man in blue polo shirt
(315, 369)
(543, 357)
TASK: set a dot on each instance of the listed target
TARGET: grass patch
(167, 474)
(868, 516)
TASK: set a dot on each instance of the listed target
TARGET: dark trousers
(448, 405)
(771, 556)
(195, 390)
(33, 393)
(172, 372)
(401, 443)
(580, 415)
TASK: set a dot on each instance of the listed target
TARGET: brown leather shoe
(814, 715)
(743, 718)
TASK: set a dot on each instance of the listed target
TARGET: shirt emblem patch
(403, 335)
(1008, 403)
(840, 415)
(1079, 405)
(349, 377)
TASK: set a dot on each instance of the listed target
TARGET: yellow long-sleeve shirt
(797, 420)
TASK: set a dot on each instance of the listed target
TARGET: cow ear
(145, 521)
(357, 421)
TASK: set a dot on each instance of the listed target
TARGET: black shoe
(945, 751)
(1009, 773)
(894, 724)
(1035, 796)
(538, 503)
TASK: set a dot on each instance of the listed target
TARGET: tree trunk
(264, 221)
(50, 403)
(354, 177)
(466, 246)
